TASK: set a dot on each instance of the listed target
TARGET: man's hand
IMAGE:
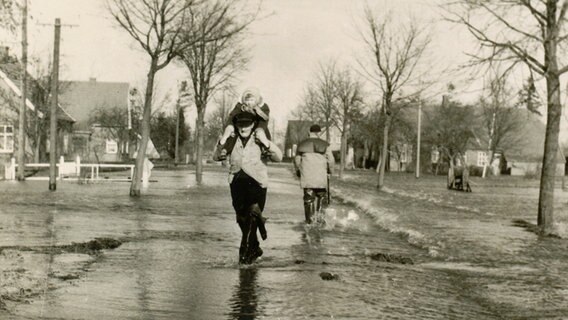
(220, 153)
(261, 138)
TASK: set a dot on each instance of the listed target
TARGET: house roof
(80, 98)
(10, 73)
(296, 131)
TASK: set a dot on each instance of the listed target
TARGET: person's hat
(244, 119)
(315, 128)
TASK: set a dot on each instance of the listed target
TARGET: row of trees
(494, 121)
(335, 99)
(521, 36)
(202, 35)
(517, 36)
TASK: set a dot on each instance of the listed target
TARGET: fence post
(12, 171)
(78, 166)
(61, 164)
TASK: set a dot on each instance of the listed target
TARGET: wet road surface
(463, 257)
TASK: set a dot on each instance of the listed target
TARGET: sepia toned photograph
(283, 159)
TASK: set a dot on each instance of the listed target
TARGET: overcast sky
(287, 44)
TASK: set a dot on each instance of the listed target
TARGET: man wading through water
(314, 162)
(248, 179)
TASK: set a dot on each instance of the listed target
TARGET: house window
(111, 147)
(481, 158)
(6, 138)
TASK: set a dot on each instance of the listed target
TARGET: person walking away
(313, 163)
(251, 102)
(248, 180)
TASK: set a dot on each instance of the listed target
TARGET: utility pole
(176, 157)
(181, 103)
(54, 102)
(490, 146)
(24, 85)
(417, 173)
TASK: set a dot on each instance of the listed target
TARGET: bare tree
(156, 26)
(365, 134)
(396, 50)
(530, 34)
(349, 94)
(307, 109)
(324, 90)
(218, 118)
(319, 101)
(500, 118)
(213, 64)
(449, 128)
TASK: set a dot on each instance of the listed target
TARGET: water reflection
(244, 302)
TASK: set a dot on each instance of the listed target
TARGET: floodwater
(416, 251)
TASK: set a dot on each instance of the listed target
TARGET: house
(522, 156)
(298, 130)
(98, 142)
(526, 157)
(37, 116)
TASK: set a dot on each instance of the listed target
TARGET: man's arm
(263, 111)
(274, 152)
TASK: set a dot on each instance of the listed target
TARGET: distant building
(37, 115)
(98, 142)
(298, 130)
(523, 157)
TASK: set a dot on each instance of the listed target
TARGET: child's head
(251, 97)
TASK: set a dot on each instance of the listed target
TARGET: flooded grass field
(414, 251)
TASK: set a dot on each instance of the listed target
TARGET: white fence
(72, 170)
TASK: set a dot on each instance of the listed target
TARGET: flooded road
(421, 253)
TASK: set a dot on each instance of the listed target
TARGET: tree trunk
(38, 137)
(365, 154)
(327, 133)
(554, 110)
(343, 151)
(384, 153)
(145, 125)
(199, 143)
(546, 196)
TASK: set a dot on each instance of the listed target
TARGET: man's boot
(260, 220)
(250, 249)
(308, 211)
(243, 248)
